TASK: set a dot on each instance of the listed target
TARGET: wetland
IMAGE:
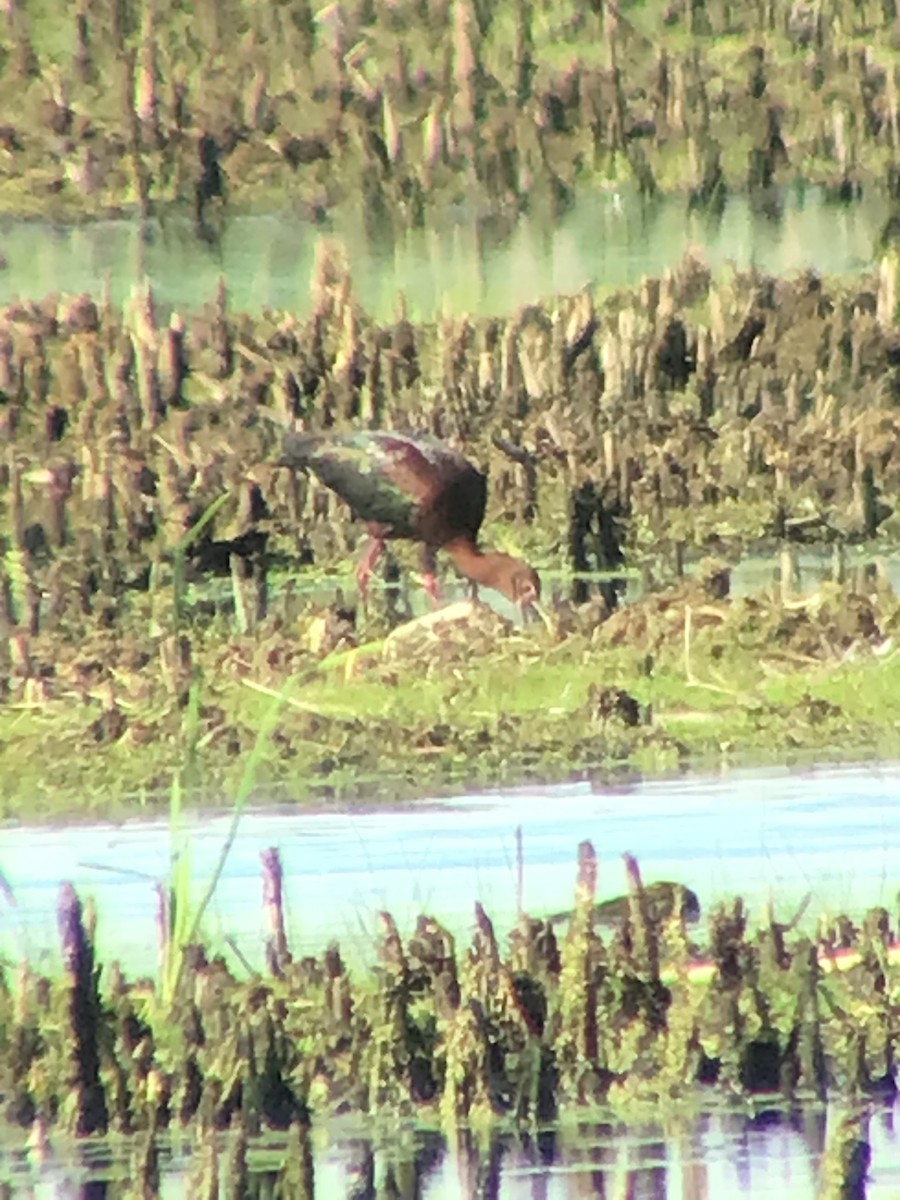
(609, 1044)
(539, 206)
(166, 585)
(639, 263)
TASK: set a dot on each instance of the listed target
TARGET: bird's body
(416, 488)
(412, 487)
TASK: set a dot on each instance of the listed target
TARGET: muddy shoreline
(149, 615)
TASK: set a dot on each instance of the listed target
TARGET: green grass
(360, 725)
(272, 713)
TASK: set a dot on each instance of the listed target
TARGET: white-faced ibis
(417, 488)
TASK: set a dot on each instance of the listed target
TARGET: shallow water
(831, 831)
(775, 835)
(717, 1154)
(609, 237)
(796, 572)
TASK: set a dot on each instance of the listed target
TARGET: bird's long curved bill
(533, 610)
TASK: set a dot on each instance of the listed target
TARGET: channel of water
(773, 835)
(762, 1153)
(609, 238)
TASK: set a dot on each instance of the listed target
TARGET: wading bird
(418, 488)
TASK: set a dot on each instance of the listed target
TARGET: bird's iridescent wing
(385, 478)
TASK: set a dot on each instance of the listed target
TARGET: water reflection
(460, 264)
(766, 835)
(772, 1153)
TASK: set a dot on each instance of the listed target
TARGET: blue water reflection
(831, 831)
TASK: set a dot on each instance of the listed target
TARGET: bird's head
(518, 582)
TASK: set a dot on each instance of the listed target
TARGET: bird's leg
(373, 551)
(429, 579)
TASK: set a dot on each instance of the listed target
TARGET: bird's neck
(471, 562)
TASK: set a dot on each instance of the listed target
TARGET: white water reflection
(834, 832)
(455, 265)
(718, 1154)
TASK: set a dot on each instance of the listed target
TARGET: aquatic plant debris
(461, 1037)
(399, 115)
(159, 547)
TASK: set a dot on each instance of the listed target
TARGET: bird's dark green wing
(394, 480)
(375, 474)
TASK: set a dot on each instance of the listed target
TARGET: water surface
(609, 238)
(833, 832)
(768, 835)
(719, 1154)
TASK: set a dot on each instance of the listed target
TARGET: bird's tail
(298, 449)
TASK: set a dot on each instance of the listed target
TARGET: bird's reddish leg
(429, 576)
(371, 554)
